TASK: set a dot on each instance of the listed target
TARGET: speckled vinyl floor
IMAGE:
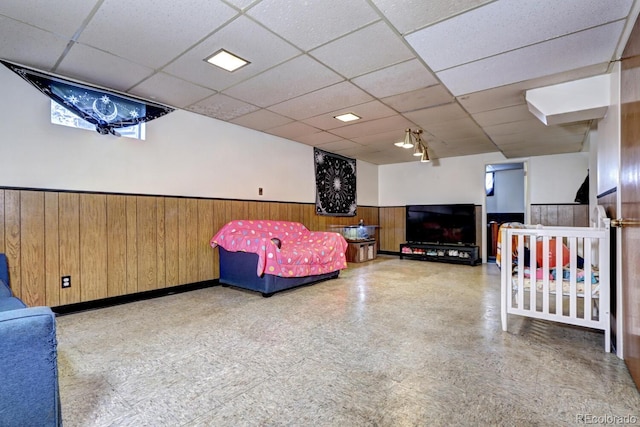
(389, 343)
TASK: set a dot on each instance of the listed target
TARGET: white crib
(538, 290)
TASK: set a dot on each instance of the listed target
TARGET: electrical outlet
(259, 191)
(66, 282)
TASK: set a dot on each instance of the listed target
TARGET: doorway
(505, 200)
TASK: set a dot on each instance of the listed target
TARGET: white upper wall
(551, 179)
(608, 138)
(556, 179)
(185, 154)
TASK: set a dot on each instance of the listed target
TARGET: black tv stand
(443, 252)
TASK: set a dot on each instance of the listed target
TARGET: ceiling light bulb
(226, 61)
(407, 139)
(348, 117)
(418, 150)
(425, 156)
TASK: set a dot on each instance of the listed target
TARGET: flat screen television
(452, 224)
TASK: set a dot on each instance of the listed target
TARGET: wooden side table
(361, 250)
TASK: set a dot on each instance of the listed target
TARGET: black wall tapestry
(104, 109)
(335, 184)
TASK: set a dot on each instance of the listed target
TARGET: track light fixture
(413, 139)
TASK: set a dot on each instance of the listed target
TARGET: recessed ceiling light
(226, 60)
(348, 117)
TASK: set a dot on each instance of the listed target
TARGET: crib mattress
(566, 287)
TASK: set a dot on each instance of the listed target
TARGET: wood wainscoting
(392, 228)
(114, 244)
(564, 215)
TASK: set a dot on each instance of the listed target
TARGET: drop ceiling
(457, 69)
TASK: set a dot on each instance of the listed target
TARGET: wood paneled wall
(392, 228)
(113, 245)
(564, 215)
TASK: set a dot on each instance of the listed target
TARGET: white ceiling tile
(475, 140)
(28, 45)
(474, 145)
(400, 78)
(383, 139)
(456, 129)
(409, 15)
(373, 127)
(261, 120)
(510, 95)
(498, 27)
(356, 151)
(308, 24)
(151, 18)
(371, 48)
(335, 97)
(318, 138)
(244, 38)
(222, 107)
(419, 99)
(338, 145)
(443, 152)
(541, 151)
(436, 115)
(101, 68)
(242, 4)
(503, 115)
(292, 130)
(533, 125)
(561, 54)
(387, 157)
(368, 111)
(63, 18)
(525, 139)
(530, 125)
(170, 90)
(283, 82)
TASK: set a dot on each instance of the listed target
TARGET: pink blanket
(302, 252)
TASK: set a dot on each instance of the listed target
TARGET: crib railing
(548, 285)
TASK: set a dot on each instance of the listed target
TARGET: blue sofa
(29, 393)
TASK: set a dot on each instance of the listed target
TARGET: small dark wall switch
(66, 281)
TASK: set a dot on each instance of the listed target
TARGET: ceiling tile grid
(341, 95)
(369, 49)
(472, 36)
(284, 82)
(459, 69)
(309, 24)
(146, 22)
(242, 37)
(554, 56)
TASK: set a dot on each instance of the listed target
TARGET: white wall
(556, 179)
(608, 138)
(185, 154)
(448, 180)
(551, 179)
(508, 192)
